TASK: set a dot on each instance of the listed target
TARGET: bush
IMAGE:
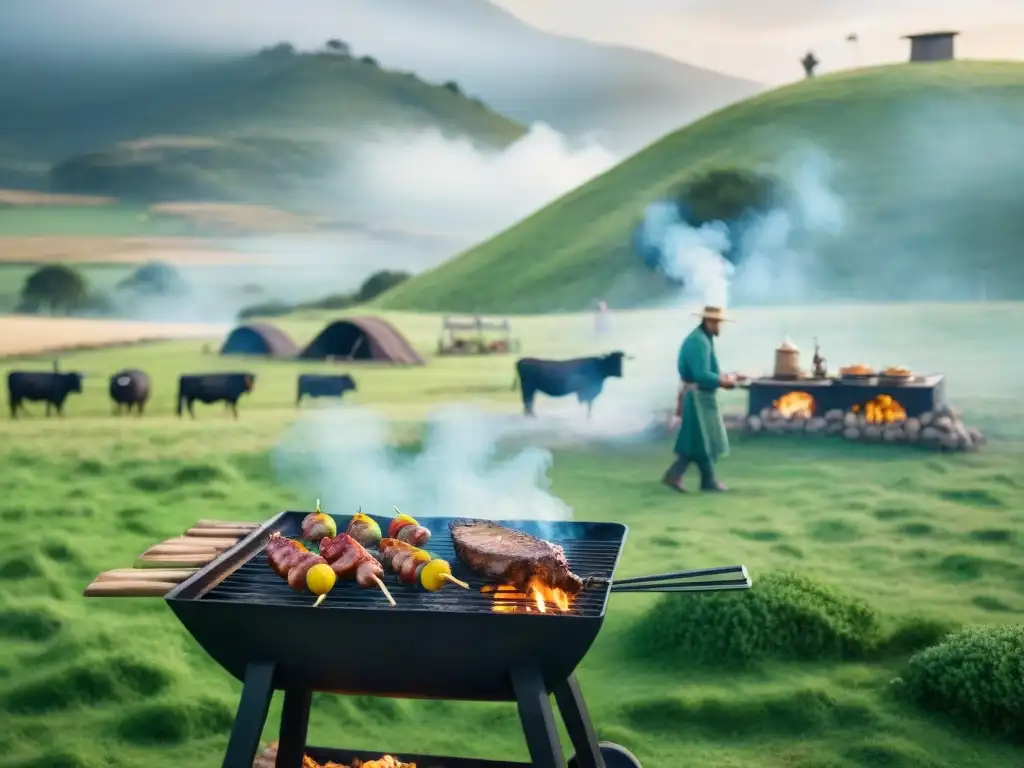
(975, 675)
(379, 282)
(728, 195)
(156, 278)
(55, 287)
(266, 309)
(452, 86)
(785, 616)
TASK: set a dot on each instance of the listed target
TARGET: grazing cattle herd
(130, 388)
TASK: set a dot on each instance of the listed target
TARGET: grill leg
(538, 719)
(294, 723)
(251, 716)
(577, 723)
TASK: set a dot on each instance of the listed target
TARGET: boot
(673, 476)
(707, 477)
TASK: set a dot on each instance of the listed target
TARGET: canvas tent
(259, 339)
(362, 338)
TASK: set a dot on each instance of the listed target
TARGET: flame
(538, 598)
(795, 404)
(882, 410)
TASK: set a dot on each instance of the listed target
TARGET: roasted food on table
(351, 562)
(318, 525)
(897, 372)
(405, 528)
(416, 566)
(364, 529)
(512, 557)
(858, 369)
(268, 759)
(301, 568)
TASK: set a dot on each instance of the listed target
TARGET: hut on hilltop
(259, 339)
(362, 338)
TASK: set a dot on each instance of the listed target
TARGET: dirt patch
(181, 251)
(245, 218)
(27, 197)
(21, 335)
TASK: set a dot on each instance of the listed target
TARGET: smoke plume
(346, 457)
(769, 260)
(429, 182)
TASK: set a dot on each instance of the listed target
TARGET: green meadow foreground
(927, 541)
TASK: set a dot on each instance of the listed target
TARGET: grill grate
(255, 582)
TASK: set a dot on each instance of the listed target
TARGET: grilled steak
(511, 557)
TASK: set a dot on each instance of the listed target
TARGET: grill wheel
(615, 756)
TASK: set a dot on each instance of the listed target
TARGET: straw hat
(713, 313)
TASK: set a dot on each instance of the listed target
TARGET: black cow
(129, 388)
(53, 388)
(317, 385)
(213, 387)
(583, 377)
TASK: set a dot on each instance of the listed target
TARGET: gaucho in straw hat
(702, 439)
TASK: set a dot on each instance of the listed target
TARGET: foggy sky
(761, 39)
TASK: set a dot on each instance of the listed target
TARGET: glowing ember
(539, 598)
(882, 410)
(795, 405)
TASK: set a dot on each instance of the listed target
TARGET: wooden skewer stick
(457, 582)
(319, 600)
(384, 589)
(183, 560)
(147, 574)
(224, 524)
(129, 588)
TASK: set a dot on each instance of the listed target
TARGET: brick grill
(917, 396)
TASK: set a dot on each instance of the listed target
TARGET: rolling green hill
(216, 128)
(928, 162)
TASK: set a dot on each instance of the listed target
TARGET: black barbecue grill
(265, 634)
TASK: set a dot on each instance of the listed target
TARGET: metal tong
(701, 580)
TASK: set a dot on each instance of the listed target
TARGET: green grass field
(119, 684)
(927, 162)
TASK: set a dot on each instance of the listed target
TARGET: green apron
(702, 433)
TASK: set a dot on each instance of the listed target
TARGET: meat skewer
(416, 566)
(364, 529)
(405, 528)
(301, 568)
(318, 525)
(351, 562)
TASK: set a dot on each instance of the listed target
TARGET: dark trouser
(706, 466)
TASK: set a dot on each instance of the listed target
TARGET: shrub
(452, 86)
(727, 195)
(976, 676)
(156, 278)
(379, 282)
(265, 309)
(785, 616)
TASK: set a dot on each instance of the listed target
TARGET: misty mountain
(628, 97)
(220, 129)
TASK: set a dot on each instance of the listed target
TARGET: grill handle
(682, 581)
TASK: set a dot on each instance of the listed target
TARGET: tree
(379, 282)
(279, 51)
(55, 287)
(727, 195)
(369, 61)
(452, 86)
(340, 47)
(156, 278)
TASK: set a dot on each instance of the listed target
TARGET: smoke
(406, 202)
(430, 182)
(345, 456)
(768, 261)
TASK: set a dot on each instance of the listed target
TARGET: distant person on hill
(601, 318)
(702, 439)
